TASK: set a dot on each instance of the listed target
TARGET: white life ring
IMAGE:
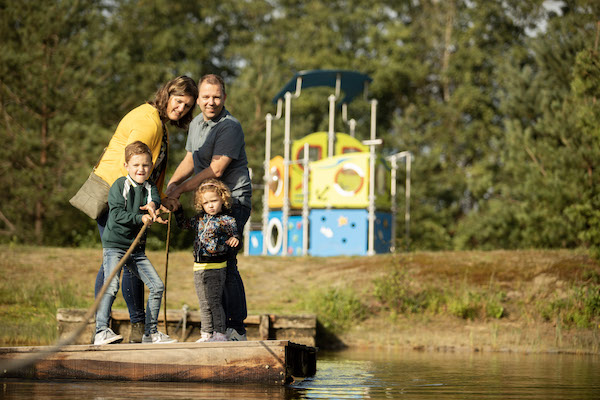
(274, 236)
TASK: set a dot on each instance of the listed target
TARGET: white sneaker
(107, 336)
(234, 336)
(218, 337)
(157, 337)
(204, 337)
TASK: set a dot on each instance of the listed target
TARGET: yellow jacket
(142, 123)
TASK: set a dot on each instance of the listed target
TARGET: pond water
(370, 374)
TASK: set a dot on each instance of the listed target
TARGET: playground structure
(320, 198)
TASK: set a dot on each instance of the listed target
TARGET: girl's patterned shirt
(212, 231)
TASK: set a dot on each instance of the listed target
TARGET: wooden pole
(35, 357)
(167, 270)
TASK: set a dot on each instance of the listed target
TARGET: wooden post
(264, 327)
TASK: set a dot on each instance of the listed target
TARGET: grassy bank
(490, 301)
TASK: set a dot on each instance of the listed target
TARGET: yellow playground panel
(276, 182)
(341, 182)
(318, 150)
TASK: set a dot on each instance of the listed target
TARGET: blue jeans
(132, 286)
(139, 265)
(234, 295)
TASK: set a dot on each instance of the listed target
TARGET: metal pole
(246, 232)
(267, 173)
(331, 131)
(286, 172)
(305, 202)
(371, 238)
(407, 197)
(267, 179)
(393, 191)
(394, 158)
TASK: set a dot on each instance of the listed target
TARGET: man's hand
(172, 191)
(170, 204)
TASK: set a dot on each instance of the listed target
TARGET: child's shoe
(107, 336)
(157, 337)
(218, 337)
(137, 331)
(205, 337)
(234, 336)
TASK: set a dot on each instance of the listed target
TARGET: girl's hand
(233, 241)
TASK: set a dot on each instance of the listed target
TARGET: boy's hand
(233, 241)
(151, 208)
(147, 219)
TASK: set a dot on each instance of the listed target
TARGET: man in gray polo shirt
(216, 149)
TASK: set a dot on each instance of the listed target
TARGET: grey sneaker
(137, 331)
(218, 337)
(234, 336)
(107, 336)
(157, 337)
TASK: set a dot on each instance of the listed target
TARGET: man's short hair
(213, 79)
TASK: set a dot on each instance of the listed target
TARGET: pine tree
(54, 55)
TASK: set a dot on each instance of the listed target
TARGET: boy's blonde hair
(135, 148)
(212, 185)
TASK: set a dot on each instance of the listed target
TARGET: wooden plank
(294, 321)
(269, 362)
(299, 328)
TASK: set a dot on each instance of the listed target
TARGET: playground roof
(352, 83)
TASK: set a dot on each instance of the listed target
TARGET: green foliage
(394, 292)
(500, 114)
(397, 296)
(337, 308)
(31, 313)
(579, 308)
(465, 305)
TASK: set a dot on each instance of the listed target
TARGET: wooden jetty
(184, 325)
(276, 362)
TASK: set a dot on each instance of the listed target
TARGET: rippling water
(370, 374)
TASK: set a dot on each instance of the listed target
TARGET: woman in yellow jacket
(173, 103)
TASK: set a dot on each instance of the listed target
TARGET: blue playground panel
(274, 239)
(383, 232)
(255, 243)
(345, 232)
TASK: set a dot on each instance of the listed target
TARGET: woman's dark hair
(180, 86)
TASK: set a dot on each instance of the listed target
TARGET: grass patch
(527, 299)
(337, 308)
(397, 294)
(579, 307)
(28, 310)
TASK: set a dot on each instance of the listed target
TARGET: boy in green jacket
(132, 202)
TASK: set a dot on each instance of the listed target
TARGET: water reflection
(415, 375)
(369, 374)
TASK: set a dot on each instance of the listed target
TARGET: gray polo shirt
(222, 136)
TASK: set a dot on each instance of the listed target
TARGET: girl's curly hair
(212, 185)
